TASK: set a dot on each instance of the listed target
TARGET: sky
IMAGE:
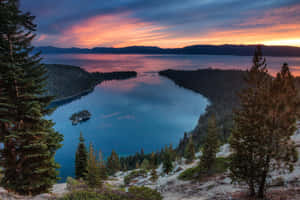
(164, 23)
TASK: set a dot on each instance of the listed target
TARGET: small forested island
(79, 117)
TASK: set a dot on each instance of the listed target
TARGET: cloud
(108, 30)
(110, 115)
(164, 23)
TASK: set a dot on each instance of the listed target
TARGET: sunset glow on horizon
(166, 24)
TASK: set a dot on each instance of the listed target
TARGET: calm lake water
(146, 112)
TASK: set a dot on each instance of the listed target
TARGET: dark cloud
(178, 17)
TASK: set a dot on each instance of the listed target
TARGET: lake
(146, 112)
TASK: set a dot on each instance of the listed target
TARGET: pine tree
(182, 145)
(263, 125)
(172, 152)
(145, 164)
(153, 160)
(210, 147)
(113, 163)
(167, 162)
(81, 159)
(29, 140)
(137, 165)
(190, 152)
(103, 172)
(93, 176)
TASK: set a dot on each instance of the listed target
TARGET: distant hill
(221, 88)
(239, 50)
(67, 82)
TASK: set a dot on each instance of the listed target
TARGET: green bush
(221, 165)
(133, 175)
(73, 184)
(82, 195)
(189, 174)
(145, 193)
(135, 193)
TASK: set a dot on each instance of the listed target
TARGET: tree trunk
(252, 189)
(261, 192)
(262, 186)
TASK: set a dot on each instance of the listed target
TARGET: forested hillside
(65, 81)
(220, 87)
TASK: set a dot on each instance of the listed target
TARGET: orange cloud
(274, 27)
(111, 30)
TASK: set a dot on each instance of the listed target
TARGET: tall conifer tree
(81, 159)
(210, 147)
(29, 141)
(103, 172)
(113, 163)
(264, 122)
(189, 153)
(93, 176)
(167, 162)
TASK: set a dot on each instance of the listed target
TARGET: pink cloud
(126, 117)
(111, 115)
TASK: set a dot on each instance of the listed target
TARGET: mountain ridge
(238, 50)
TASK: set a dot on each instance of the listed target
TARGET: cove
(146, 112)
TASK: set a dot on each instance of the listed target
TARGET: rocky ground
(218, 187)
(57, 191)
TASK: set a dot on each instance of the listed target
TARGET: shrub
(135, 193)
(220, 166)
(145, 193)
(154, 175)
(189, 174)
(82, 195)
(133, 175)
(73, 184)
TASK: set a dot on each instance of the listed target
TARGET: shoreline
(69, 99)
(220, 88)
(67, 83)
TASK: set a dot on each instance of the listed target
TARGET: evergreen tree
(172, 152)
(103, 172)
(153, 161)
(190, 152)
(210, 147)
(93, 176)
(142, 153)
(137, 165)
(145, 164)
(81, 159)
(167, 162)
(29, 141)
(182, 145)
(113, 163)
(264, 122)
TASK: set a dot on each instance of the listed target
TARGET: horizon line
(215, 45)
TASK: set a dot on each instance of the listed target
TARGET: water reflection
(150, 63)
(148, 111)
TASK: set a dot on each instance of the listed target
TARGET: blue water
(146, 112)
